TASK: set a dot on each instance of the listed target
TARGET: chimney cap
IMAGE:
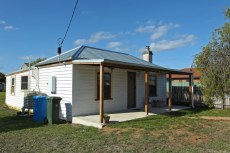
(148, 48)
(147, 51)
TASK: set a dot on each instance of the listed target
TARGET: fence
(218, 102)
(181, 94)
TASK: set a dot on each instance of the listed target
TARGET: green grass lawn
(161, 133)
(2, 98)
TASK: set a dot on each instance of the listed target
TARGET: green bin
(53, 106)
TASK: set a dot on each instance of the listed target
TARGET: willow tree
(214, 64)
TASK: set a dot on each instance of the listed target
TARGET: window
(12, 91)
(24, 83)
(152, 86)
(107, 85)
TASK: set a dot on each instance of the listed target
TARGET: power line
(61, 40)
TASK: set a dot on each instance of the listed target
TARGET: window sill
(24, 90)
(104, 99)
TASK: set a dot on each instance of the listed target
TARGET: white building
(75, 77)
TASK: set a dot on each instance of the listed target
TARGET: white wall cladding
(63, 75)
(76, 85)
(140, 88)
(84, 90)
(161, 87)
(16, 100)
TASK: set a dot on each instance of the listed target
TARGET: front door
(131, 90)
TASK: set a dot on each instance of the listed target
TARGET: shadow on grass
(13, 123)
(161, 121)
(186, 112)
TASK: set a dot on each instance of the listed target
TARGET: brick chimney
(147, 55)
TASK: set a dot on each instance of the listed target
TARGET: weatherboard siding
(63, 75)
(140, 89)
(17, 100)
(84, 90)
(76, 85)
(161, 88)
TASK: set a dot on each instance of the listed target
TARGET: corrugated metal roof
(24, 67)
(18, 71)
(63, 57)
(87, 52)
(96, 53)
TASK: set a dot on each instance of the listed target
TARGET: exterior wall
(161, 87)
(84, 90)
(80, 81)
(17, 100)
(63, 75)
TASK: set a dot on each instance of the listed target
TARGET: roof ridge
(58, 55)
(106, 50)
(77, 53)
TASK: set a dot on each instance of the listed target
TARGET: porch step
(84, 121)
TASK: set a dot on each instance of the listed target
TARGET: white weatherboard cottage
(76, 77)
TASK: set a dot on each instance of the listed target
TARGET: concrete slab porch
(127, 115)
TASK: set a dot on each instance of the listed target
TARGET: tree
(214, 64)
(37, 61)
(2, 77)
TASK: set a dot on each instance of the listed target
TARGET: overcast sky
(176, 30)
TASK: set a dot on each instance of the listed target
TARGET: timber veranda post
(170, 93)
(101, 96)
(146, 92)
(191, 92)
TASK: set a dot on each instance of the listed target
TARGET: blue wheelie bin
(40, 109)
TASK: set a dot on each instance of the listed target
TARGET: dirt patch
(108, 130)
(179, 137)
(176, 137)
(189, 137)
(215, 118)
(138, 133)
(156, 133)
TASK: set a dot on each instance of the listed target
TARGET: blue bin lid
(39, 97)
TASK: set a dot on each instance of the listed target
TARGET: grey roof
(95, 53)
(87, 52)
(63, 57)
(24, 67)
(18, 71)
